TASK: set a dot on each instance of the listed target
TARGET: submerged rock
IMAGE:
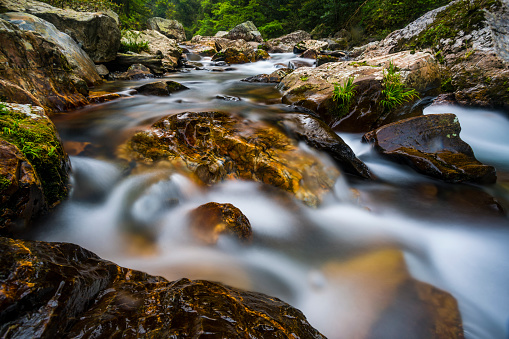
(209, 221)
(97, 33)
(170, 28)
(246, 31)
(431, 145)
(216, 146)
(161, 88)
(62, 290)
(34, 167)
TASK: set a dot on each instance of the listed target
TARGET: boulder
(41, 67)
(159, 43)
(470, 41)
(63, 290)
(14, 93)
(206, 46)
(312, 88)
(318, 135)
(161, 88)
(274, 77)
(100, 96)
(221, 34)
(209, 221)
(235, 52)
(285, 43)
(124, 61)
(97, 33)
(170, 28)
(305, 45)
(34, 167)
(135, 72)
(246, 31)
(323, 59)
(431, 145)
(215, 146)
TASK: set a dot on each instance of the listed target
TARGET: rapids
(451, 237)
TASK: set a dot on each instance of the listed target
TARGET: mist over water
(317, 260)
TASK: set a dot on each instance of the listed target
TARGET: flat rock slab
(431, 145)
(60, 290)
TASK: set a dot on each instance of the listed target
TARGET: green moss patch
(37, 140)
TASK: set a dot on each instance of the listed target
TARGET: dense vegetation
(362, 19)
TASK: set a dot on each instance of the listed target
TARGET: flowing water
(334, 262)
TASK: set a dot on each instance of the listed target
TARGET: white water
(301, 255)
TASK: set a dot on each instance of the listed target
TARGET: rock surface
(170, 28)
(215, 146)
(125, 61)
(135, 72)
(312, 88)
(43, 68)
(431, 145)
(159, 43)
(97, 33)
(160, 88)
(209, 221)
(62, 290)
(285, 43)
(34, 167)
(246, 31)
(235, 52)
(274, 77)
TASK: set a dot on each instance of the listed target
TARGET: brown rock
(99, 96)
(209, 221)
(285, 43)
(134, 72)
(10, 92)
(170, 28)
(274, 77)
(157, 42)
(246, 31)
(161, 88)
(235, 52)
(124, 61)
(431, 145)
(215, 146)
(62, 290)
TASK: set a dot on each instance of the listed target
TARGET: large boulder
(34, 167)
(214, 146)
(125, 61)
(160, 88)
(97, 33)
(170, 28)
(62, 290)
(313, 89)
(431, 145)
(236, 52)
(169, 48)
(285, 43)
(470, 41)
(43, 68)
(315, 45)
(206, 45)
(246, 31)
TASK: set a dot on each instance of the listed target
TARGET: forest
(365, 19)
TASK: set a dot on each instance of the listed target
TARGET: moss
(4, 183)
(37, 140)
(302, 89)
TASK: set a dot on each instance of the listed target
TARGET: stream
(452, 236)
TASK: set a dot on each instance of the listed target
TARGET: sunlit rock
(169, 48)
(312, 88)
(217, 146)
(97, 33)
(34, 167)
(236, 52)
(62, 290)
(315, 45)
(246, 31)
(285, 43)
(101, 96)
(431, 145)
(170, 28)
(209, 221)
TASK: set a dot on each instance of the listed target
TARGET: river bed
(453, 237)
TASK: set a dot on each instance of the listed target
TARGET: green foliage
(343, 95)
(38, 142)
(304, 78)
(132, 42)
(394, 91)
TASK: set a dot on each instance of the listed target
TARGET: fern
(394, 92)
(343, 95)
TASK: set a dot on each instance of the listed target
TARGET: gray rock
(246, 31)
(97, 33)
(170, 28)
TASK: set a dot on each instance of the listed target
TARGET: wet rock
(34, 167)
(100, 96)
(63, 290)
(234, 52)
(97, 33)
(227, 97)
(318, 135)
(135, 72)
(125, 61)
(294, 64)
(261, 54)
(310, 54)
(431, 145)
(13, 93)
(44, 64)
(170, 28)
(206, 46)
(160, 88)
(215, 146)
(285, 43)
(323, 59)
(159, 43)
(209, 221)
(305, 45)
(246, 31)
(102, 70)
(313, 88)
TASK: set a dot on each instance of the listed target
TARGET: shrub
(343, 96)
(394, 92)
(132, 42)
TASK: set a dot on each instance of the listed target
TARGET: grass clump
(343, 95)
(132, 42)
(37, 140)
(394, 91)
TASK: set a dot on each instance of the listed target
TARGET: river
(451, 236)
